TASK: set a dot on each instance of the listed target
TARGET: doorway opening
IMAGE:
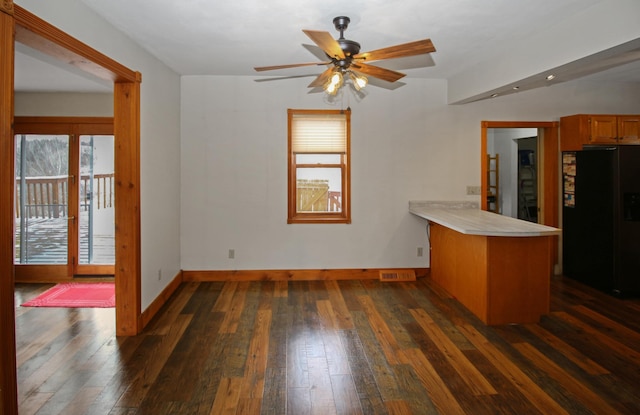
(513, 172)
(65, 198)
(547, 169)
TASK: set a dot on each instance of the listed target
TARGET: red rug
(77, 295)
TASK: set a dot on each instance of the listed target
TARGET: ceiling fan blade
(292, 65)
(326, 42)
(418, 47)
(377, 72)
(322, 78)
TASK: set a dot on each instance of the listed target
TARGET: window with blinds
(319, 171)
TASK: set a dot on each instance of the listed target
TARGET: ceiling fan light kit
(346, 61)
(337, 80)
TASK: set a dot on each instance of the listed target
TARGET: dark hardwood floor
(331, 347)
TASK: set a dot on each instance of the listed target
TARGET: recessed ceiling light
(515, 88)
(494, 95)
(550, 77)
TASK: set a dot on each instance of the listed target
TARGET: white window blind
(319, 133)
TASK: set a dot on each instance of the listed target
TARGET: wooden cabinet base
(500, 279)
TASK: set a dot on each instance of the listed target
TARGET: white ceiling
(206, 37)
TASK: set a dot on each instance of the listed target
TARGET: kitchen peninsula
(496, 266)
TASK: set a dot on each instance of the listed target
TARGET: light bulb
(360, 82)
(331, 88)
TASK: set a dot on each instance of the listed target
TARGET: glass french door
(96, 232)
(42, 196)
(65, 202)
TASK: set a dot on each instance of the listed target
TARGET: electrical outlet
(420, 251)
(473, 190)
(232, 253)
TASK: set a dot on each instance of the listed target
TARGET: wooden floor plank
(377, 358)
(345, 395)
(321, 393)
(526, 386)
(232, 316)
(224, 302)
(243, 318)
(574, 386)
(30, 347)
(298, 401)
(566, 350)
(334, 351)
(413, 390)
(613, 329)
(469, 373)
(157, 357)
(369, 394)
(227, 396)
(612, 344)
(274, 400)
(340, 309)
(34, 381)
(398, 408)
(391, 306)
(34, 403)
(255, 367)
(161, 324)
(296, 353)
(440, 395)
(187, 360)
(379, 326)
(211, 376)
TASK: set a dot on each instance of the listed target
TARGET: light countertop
(467, 218)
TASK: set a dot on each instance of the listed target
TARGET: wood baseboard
(289, 275)
(155, 306)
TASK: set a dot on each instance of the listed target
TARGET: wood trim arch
(48, 39)
(17, 23)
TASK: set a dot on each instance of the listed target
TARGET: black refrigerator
(601, 218)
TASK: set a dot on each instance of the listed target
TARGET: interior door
(65, 199)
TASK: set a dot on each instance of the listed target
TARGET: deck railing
(47, 197)
(315, 196)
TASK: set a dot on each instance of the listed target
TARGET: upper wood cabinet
(629, 129)
(577, 130)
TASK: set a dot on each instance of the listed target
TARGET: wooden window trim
(344, 216)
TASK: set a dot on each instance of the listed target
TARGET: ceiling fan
(345, 59)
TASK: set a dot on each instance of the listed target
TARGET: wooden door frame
(17, 24)
(549, 160)
(8, 382)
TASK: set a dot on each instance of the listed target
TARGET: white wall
(160, 135)
(56, 104)
(407, 144)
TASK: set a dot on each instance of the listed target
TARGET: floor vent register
(397, 275)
